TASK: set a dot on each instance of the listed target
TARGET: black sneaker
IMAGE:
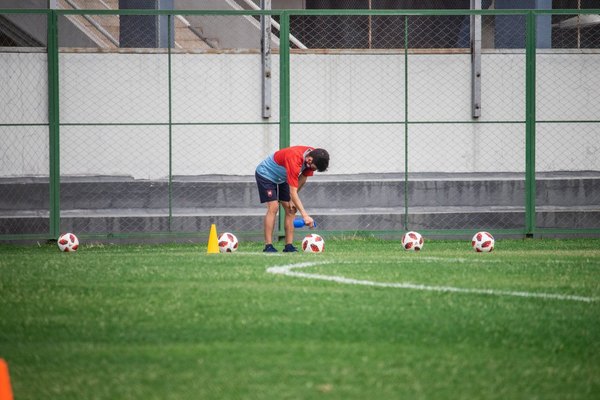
(270, 249)
(289, 248)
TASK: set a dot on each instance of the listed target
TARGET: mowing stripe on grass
(287, 270)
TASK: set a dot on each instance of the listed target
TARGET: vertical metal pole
(53, 124)
(578, 27)
(161, 35)
(475, 60)
(265, 52)
(170, 83)
(284, 96)
(284, 81)
(530, 121)
(370, 26)
(406, 123)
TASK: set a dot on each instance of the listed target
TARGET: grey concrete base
(140, 221)
(101, 205)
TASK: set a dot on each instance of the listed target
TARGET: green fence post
(284, 81)
(170, 84)
(530, 119)
(53, 124)
(284, 97)
(406, 122)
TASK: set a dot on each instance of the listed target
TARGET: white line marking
(287, 271)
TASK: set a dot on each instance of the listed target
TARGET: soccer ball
(313, 243)
(483, 242)
(68, 242)
(228, 243)
(412, 241)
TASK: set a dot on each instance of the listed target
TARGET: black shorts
(270, 191)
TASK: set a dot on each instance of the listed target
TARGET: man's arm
(298, 204)
(301, 181)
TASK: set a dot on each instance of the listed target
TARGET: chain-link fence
(24, 126)
(150, 122)
(567, 110)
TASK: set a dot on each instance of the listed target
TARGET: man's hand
(308, 221)
(292, 208)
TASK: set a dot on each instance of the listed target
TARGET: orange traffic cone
(5, 389)
(213, 242)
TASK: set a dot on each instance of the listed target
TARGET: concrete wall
(36, 24)
(352, 94)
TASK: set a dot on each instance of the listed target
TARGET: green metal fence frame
(285, 121)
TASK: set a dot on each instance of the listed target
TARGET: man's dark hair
(320, 159)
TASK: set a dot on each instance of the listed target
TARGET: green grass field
(171, 322)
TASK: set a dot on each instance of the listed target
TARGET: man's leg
(269, 221)
(267, 191)
(288, 222)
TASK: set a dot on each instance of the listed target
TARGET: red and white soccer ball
(228, 243)
(482, 242)
(68, 242)
(313, 243)
(412, 241)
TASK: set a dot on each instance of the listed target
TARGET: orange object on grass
(5, 389)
